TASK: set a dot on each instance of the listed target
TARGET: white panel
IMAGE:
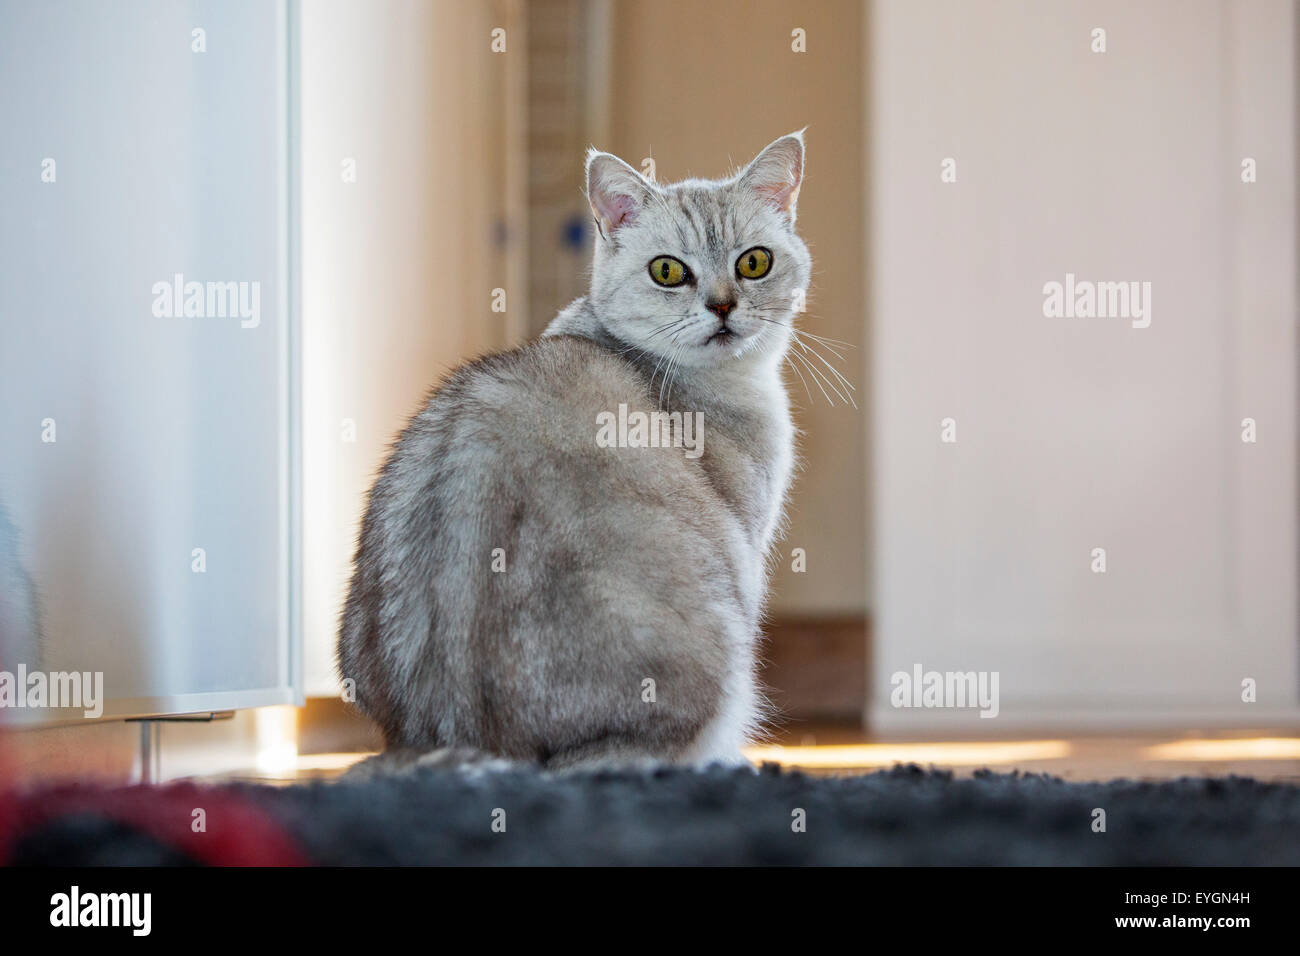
(1080, 433)
(173, 432)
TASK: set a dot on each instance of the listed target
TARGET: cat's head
(703, 270)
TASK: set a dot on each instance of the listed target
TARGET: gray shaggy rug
(904, 816)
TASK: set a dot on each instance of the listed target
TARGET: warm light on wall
(277, 739)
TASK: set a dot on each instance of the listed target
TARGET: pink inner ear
(616, 209)
(779, 194)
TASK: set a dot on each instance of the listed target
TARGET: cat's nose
(720, 307)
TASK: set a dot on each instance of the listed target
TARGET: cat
(525, 590)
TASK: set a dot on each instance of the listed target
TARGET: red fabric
(238, 832)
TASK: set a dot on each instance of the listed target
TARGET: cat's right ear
(616, 191)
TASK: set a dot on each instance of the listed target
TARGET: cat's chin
(732, 347)
(740, 344)
(712, 354)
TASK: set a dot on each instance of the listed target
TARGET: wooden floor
(1264, 755)
(843, 748)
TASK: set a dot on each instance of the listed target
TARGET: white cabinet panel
(173, 432)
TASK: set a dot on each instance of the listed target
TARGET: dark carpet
(719, 816)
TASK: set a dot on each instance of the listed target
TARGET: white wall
(1074, 434)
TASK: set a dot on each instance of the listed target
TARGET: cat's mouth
(726, 336)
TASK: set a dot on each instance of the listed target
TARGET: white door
(1014, 146)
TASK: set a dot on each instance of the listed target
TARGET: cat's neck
(580, 319)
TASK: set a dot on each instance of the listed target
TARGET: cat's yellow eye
(668, 271)
(754, 264)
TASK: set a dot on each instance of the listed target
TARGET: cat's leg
(690, 699)
(720, 741)
(737, 719)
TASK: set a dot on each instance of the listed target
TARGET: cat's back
(553, 387)
(534, 413)
(505, 458)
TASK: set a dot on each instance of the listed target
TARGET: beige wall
(703, 86)
(398, 267)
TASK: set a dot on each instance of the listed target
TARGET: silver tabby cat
(527, 590)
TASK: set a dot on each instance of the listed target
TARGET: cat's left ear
(617, 192)
(777, 173)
